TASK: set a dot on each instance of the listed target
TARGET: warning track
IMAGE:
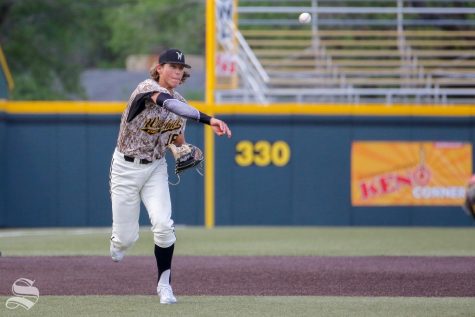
(245, 275)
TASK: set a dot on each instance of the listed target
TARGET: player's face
(170, 75)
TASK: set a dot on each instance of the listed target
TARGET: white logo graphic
(180, 55)
(26, 295)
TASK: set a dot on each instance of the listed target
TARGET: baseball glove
(186, 156)
(469, 202)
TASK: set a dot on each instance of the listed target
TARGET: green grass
(262, 306)
(320, 241)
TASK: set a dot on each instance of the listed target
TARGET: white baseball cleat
(116, 254)
(166, 294)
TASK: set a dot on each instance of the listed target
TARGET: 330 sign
(262, 153)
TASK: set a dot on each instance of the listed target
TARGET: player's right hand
(220, 127)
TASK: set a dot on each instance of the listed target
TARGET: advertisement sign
(409, 173)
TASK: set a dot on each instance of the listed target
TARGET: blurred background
(96, 50)
(363, 116)
(352, 51)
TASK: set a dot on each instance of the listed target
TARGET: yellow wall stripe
(62, 107)
(93, 107)
(346, 110)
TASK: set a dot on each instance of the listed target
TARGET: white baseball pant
(131, 182)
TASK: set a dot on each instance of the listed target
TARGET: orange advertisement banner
(409, 173)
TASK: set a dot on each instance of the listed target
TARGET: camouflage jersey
(147, 135)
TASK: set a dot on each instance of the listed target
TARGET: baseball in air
(305, 18)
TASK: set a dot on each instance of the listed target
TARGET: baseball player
(469, 201)
(154, 118)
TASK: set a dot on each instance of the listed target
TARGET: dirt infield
(282, 275)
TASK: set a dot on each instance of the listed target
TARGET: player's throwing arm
(182, 109)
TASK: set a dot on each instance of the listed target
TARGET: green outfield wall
(278, 169)
(313, 187)
(57, 172)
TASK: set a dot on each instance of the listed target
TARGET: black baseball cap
(173, 56)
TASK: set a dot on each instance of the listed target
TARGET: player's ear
(159, 68)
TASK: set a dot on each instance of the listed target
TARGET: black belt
(132, 159)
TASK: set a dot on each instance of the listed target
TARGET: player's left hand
(220, 127)
(186, 156)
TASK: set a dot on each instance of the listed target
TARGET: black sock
(164, 259)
